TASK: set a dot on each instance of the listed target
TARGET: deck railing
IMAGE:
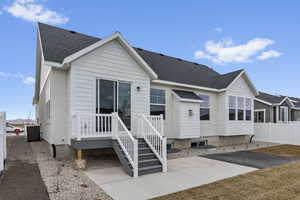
(92, 125)
(85, 126)
(154, 139)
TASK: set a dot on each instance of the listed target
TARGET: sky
(261, 37)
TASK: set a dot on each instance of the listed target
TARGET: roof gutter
(185, 85)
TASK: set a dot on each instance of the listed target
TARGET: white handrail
(127, 142)
(157, 122)
(155, 140)
(86, 125)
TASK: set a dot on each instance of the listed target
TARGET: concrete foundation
(211, 140)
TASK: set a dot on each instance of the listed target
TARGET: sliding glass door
(124, 103)
(114, 96)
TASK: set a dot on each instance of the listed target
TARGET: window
(232, 107)
(248, 109)
(241, 107)
(259, 116)
(48, 110)
(204, 107)
(157, 102)
(284, 113)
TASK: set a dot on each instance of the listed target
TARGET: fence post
(2, 140)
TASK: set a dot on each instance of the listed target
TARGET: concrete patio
(183, 173)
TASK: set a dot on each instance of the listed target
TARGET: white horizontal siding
(44, 73)
(189, 125)
(111, 62)
(59, 111)
(207, 128)
(240, 88)
(44, 122)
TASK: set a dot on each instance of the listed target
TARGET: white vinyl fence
(2, 140)
(283, 133)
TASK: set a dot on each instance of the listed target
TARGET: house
(276, 108)
(103, 93)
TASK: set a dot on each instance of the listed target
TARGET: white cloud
(31, 11)
(225, 51)
(29, 80)
(3, 74)
(218, 29)
(269, 54)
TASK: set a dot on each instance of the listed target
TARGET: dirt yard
(282, 150)
(276, 183)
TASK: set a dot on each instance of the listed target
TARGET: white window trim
(158, 104)
(236, 108)
(209, 107)
(260, 110)
(286, 111)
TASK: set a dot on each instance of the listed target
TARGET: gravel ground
(62, 180)
(195, 151)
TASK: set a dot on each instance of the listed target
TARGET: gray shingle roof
(59, 43)
(296, 104)
(187, 95)
(273, 99)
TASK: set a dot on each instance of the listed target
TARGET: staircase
(147, 161)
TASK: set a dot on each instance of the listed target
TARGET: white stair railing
(154, 139)
(127, 142)
(157, 122)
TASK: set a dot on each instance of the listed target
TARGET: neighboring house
(82, 81)
(273, 108)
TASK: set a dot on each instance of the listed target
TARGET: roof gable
(277, 99)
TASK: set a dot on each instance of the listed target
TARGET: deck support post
(80, 162)
(79, 154)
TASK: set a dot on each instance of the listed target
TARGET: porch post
(162, 124)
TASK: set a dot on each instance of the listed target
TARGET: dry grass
(281, 150)
(276, 183)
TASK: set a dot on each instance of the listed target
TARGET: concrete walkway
(21, 179)
(183, 173)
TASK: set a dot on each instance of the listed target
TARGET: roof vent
(161, 54)
(139, 49)
(196, 63)
(73, 32)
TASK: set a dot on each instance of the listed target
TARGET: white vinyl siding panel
(110, 62)
(189, 125)
(59, 111)
(43, 121)
(171, 125)
(44, 73)
(240, 88)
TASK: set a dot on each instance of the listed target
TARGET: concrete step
(150, 169)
